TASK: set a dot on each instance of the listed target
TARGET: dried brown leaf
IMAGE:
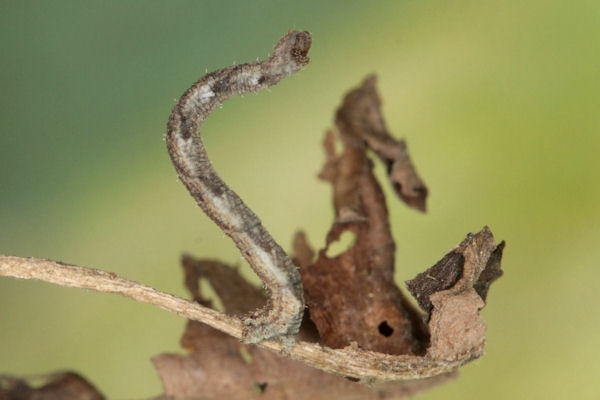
(61, 386)
(261, 374)
(237, 295)
(454, 322)
(360, 119)
(303, 251)
(352, 297)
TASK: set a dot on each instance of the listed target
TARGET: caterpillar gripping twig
(281, 317)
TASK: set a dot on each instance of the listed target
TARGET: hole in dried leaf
(260, 387)
(345, 242)
(385, 329)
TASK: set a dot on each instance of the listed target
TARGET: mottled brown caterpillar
(281, 317)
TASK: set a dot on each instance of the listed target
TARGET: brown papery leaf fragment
(352, 297)
(220, 367)
(387, 323)
(60, 386)
(237, 295)
(456, 329)
(360, 118)
(446, 272)
(303, 251)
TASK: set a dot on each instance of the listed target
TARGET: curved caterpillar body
(281, 318)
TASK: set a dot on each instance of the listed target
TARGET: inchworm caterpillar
(281, 318)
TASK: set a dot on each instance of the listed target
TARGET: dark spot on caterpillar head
(302, 42)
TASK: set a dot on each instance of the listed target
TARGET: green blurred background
(498, 101)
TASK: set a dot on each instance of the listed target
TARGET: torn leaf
(360, 118)
(352, 297)
(453, 292)
(60, 386)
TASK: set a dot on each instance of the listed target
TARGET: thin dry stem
(350, 361)
(63, 274)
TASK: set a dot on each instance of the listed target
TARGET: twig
(101, 281)
(350, 361)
